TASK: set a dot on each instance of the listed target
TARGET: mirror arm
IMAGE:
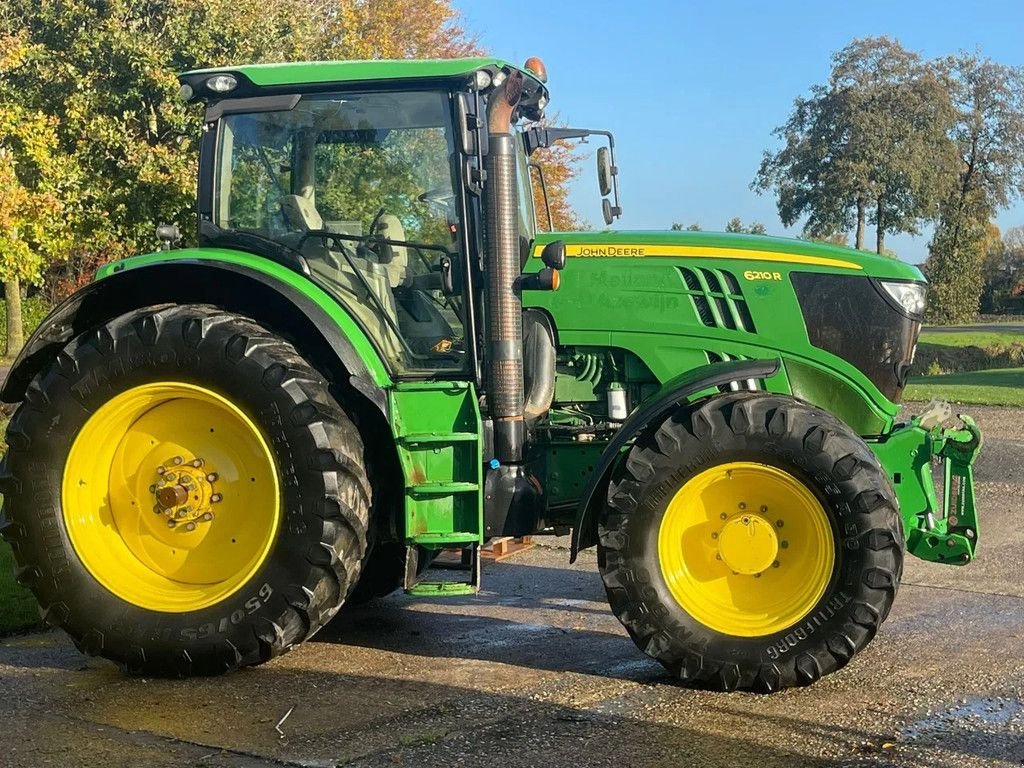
(544, 191)
(541, 136)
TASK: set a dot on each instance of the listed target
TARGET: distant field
(972, 338)
(1001, 386)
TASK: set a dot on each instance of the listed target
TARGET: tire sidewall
(815, 448)
(97, 366)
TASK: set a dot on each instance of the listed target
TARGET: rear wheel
(183, 493)
(752, 542)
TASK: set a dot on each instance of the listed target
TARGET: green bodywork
(634, 310)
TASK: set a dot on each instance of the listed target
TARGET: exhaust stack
(504, 308)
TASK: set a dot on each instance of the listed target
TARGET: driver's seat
(390, 227)
(301, 213)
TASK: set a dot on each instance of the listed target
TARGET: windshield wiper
(212, 235)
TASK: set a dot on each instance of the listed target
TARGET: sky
(693, 90)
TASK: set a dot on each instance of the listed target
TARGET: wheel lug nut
(743, 505)
(718, 556)
(152, 489)
(160, 470)
(216, 498)
(723, 515)
(197, 463)
(171, 523)
(757, 575)
(190, 527)
(208, 516)
(212, 477)
(775, 564)
(176, 460)
(156, 508)
(783, 544)
(778, 523)
(714, 535)
(764, 508)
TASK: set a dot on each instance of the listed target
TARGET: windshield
(362, 185)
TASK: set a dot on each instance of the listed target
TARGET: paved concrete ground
(535, 671)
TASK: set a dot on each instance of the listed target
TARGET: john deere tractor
(372, 355)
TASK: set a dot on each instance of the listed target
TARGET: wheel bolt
(190, 527)
(714, 535)
(775, 564)
(778, 523)
(160, 470)
(746, 521)
(763, 509)
(743, 505)
(156, 508)
(181, 513)
(152, 489)
(215, 498)
(783, 544)
(757, 575)
(171, 523)
(176, 460)
(212, 477)
(197, 463)
(718, 556)
(208, 516)
(723, 515)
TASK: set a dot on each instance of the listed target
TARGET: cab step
(416, 586)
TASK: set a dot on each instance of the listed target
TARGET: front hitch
(946, 535)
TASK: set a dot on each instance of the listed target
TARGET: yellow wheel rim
(171, 497)
(746, 549)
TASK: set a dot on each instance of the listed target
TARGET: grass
(972, 338)
(17, 606)
(998, 386)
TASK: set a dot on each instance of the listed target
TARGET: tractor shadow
(535, 617)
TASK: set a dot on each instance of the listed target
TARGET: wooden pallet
(505, 546)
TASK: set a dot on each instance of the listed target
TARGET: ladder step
(454, 537)
(442, 488)
(419, 438)
(441, 589)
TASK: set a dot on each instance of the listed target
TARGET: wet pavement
(535, 671)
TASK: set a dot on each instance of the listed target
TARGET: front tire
(183, 493)
(752, 542)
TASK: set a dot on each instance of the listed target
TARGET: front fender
(654, 410)
(257, 287)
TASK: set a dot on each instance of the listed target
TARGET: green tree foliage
(37, 188)
(753, 228)
(989, 140)
(103, 73)
(1002, 271)
(871, 145)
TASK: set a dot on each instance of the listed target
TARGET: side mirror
(168, 235)
(605, 171)
(606, 211)
(553, 255)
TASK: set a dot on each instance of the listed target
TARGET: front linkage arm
(907, 453)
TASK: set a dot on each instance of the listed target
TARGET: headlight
(910, 296)
(222, 83)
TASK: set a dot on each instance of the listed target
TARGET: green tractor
(372, 356)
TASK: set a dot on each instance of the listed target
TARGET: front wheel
(752, 542)
(183, 493)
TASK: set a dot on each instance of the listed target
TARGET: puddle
(980, 714)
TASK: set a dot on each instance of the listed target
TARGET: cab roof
(315, 72)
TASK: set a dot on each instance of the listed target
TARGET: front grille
(848, 316)
(717, 299)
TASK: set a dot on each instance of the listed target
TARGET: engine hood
(758, 251)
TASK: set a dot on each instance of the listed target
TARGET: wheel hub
(185, 493)
(748, 544)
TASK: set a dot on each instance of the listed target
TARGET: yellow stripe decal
(626, 251)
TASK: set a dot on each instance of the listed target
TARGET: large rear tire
(183, 493)
(752, 542)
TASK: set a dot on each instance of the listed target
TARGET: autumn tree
(989, 139)
(108, 70)
(870, 146)
(36, 185)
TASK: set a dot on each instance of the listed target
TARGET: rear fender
(273, 295)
